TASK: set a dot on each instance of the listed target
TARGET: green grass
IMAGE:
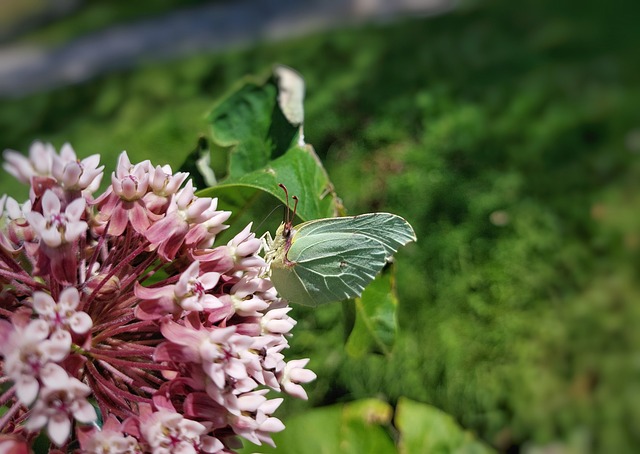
(504, 134)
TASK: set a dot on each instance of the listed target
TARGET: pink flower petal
(74, 230)
(302, 375)
(209, 280)
(70, 175)
(139, 217)
(119, 220)
(36, 220)
(181, 335)
(295, 390)
(210, 444)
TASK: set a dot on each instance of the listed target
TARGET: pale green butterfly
(333, 259)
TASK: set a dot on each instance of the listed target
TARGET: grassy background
(509, 136)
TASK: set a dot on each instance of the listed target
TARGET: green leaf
(198, 164)
(375, 326)
(299, 169)
(356, 428)
(265, 149)
(250, 123)
(424, 428)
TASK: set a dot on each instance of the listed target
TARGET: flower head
(63, 314)
(74, 174)
(38, 164)
(56, 226)
(61, 399)
(123, 307)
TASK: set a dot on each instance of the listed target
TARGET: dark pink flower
(190, 293)
(122, 204)
(163, 184)
(189, 220)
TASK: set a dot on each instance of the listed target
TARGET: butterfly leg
(269, 251)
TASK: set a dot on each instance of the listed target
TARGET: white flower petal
(50, 204)
(272, 425)
(43, 303)
(36, 330)
(75, 209)
(36, 422)
(59, 428)
(69, 298)
(85, 412)
(54, 376)
(58, 346)
(51, 237)
(80, 322)
(27, 389)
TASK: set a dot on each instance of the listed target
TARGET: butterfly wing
(389, 230)
(329, 266)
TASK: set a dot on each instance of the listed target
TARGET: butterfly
(332, 259)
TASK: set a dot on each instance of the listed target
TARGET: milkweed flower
(39, 163)
(122, 309)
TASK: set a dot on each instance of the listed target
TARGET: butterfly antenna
(287, 216)
(295, 207)
(267, 217)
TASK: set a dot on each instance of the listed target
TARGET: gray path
(201, 29)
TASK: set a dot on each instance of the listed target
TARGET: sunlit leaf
(354, 428)
(300, 170)
(424, 428)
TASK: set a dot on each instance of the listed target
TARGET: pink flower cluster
(123, 329)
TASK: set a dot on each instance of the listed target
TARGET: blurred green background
(507, 133)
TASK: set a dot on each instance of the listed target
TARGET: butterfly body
(333, 259)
